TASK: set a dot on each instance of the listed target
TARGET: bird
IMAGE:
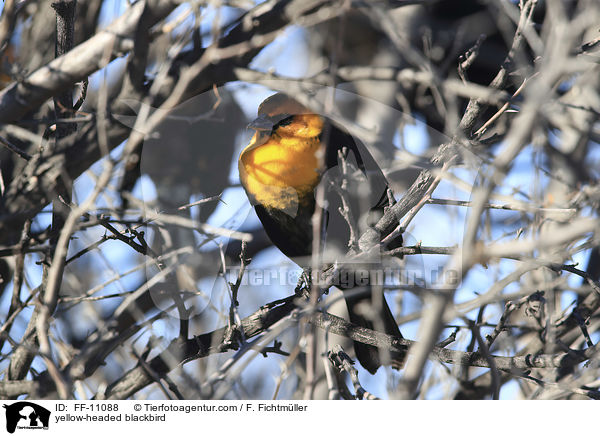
(292, 153)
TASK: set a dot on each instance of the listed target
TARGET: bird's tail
(370, 357)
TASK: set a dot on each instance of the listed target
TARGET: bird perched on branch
(294, 154)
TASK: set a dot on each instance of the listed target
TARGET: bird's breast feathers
(282, 171)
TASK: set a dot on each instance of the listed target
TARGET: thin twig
(14, 148)
(342, 362)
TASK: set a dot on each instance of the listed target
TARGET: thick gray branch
(83, 60)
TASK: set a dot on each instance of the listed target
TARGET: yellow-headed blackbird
(291, 153)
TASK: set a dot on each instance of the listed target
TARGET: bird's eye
(286, 121)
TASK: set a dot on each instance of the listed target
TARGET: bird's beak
(261, 124)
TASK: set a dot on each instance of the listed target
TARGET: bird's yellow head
(280, 167)
(285, 117)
